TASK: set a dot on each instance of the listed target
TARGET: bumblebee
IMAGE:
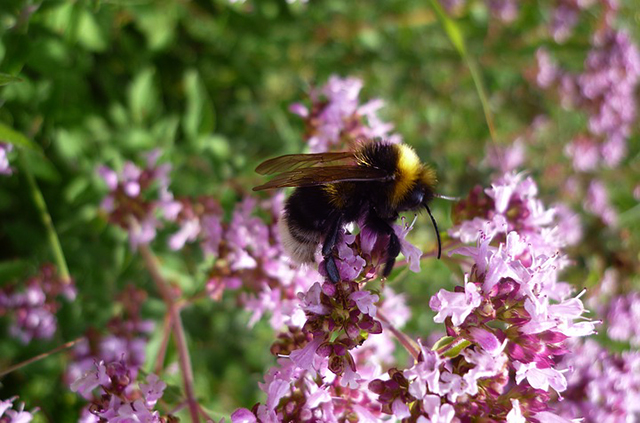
(369, 185)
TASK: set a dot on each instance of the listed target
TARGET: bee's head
(421, 191)
(414, 182)
(419, 196)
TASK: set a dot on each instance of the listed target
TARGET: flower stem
(52, 236)
(409, 344)
(162, 351)
(39, 357)
(177, 329)
(454, 33)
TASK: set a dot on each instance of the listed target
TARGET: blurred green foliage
(90, 82)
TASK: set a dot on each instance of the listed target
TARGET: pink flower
(412, 253)
(584, 152)
(109, 176)
(597, 202)
(350, 264)
(119, 401)
(506, 158)
(540, 378)
(14, 416)
(188, 232)
(91, 380)
(515, 415)
(5, 169)
(335, 115)
(424, 376)
(242, 415)
(311, 302)
(438, 413)
(487, 340)
(365, 301)
(457, 305)
(136, 412)
(305, 358)
(152, 390)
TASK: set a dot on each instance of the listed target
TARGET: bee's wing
(312, 176)
(299, 161)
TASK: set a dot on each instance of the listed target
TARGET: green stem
(184, 359)
(409, 344)
(41, 205)
(457, 39)
(477, 79)
(38, 357)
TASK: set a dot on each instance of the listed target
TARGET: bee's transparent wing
(312, 176)
(298, 161)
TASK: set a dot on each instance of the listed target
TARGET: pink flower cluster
(566, 15)
(506, 326)
(5, 169)
(125, 341)
(130, 202)
(9, 415)
(247, 249)
(602, 387)
(621, 311)
(336, 117)
(605, 90)
(340, 345)
(335, 344)
(251, 257)
(119, 400)
(33, 308)
(364, 255)
(325, 379)
(512, 204)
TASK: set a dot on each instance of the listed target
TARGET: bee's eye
(415, 199)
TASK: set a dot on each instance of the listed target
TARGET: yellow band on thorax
(407, 172)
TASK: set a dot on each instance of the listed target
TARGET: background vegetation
(209, 82)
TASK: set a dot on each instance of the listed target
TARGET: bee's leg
(328, 247)
(382, 226)
(392, 253)
(331, 268)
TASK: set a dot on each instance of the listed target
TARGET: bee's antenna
(446, 197)
(435, 227)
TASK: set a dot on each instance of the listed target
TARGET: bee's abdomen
(304, 221)
(300, 246)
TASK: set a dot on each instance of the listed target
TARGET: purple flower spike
(336, 116)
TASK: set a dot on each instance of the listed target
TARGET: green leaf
(143, 96)
(153, 348)
(90, 35)
(158, 24)
(41, 167)
(6, 79)
(71, 144)
(199, 117)
(11, 136)
(450, 347)
(12, 270)
(451, 28)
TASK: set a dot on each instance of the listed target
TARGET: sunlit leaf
(450, 347)
(12, 270)
(143, 95)
(6, 79)
(11, 136)
(199, 116)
